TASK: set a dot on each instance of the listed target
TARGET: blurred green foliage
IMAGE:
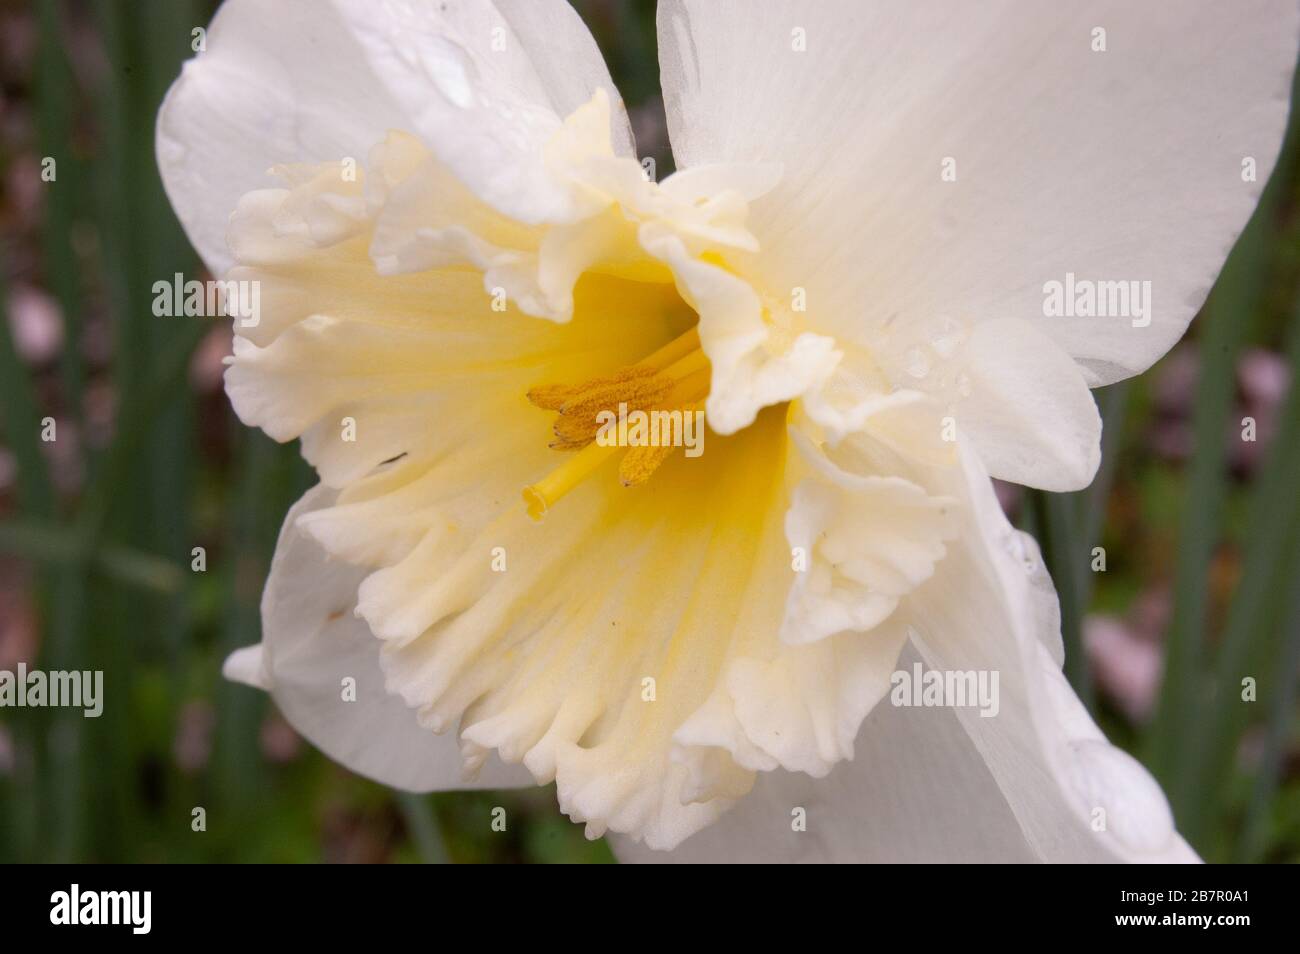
(96, 545)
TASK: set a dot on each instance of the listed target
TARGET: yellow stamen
(553, 397)
(542, 495)
(687, 365)
(675, 376)
(679, 347)
(640, 462)
(634, 392)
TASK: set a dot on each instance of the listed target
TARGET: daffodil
(462, 263)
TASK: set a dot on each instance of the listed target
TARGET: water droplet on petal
(916, 363)
(948, 336)
(1013, 541)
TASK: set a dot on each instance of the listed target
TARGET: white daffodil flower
(904, 241)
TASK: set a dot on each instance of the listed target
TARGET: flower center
(672, 381)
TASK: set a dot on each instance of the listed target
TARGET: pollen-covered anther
(637, 388)
(555, 397)
(639, 463)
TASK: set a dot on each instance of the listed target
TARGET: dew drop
(1014, 544)
(916, 363)
(948, 336)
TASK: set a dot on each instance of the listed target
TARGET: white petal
(1028, 411)
(1123, 165)
(304, 80)
(867, 540)
(549, 661)
(916, 791)
(313, 642)
(997, 611)
(797, 708)
(360, 364)
(754, 366)
(947, 784)
(858, 398)
(248, 665)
